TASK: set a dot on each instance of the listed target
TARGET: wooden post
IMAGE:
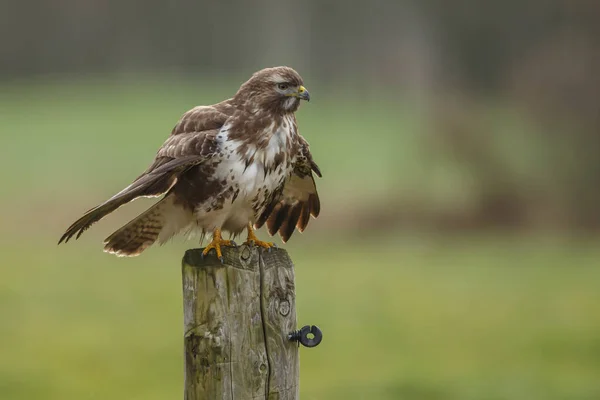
(237, 317)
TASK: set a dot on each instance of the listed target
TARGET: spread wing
(296, 202)
(192, 142)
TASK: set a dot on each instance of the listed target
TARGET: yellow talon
(216, 243)
(253, 240)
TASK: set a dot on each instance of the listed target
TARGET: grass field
(487, 317)
(402, 320)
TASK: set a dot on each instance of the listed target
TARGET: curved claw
(216, 244)
(260, 243)
(252, 240)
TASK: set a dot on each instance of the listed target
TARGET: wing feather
(152, 184)
(191, 143)
(298, 200)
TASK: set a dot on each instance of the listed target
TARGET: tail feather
(160, 222)
(138, 234)
(151, 184)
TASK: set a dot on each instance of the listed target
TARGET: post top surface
(243, 257)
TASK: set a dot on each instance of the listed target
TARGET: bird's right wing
(191, 143)
(297, 201)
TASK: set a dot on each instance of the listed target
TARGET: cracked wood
(237, 316)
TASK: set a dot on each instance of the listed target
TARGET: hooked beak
(303, 94)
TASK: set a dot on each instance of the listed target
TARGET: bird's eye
(282, 86)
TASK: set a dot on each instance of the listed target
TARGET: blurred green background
(456, 256)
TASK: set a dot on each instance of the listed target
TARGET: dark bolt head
(301, 336)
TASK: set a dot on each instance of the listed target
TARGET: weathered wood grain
(237, 316)
(279, 316)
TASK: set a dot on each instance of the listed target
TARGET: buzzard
(238, 164)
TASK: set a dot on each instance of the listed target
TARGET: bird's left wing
(298, 200)
(191, 143)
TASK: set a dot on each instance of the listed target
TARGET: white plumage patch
(277, 78)
(298, 189)
(291, 103)
(177, 219)
(251, 179)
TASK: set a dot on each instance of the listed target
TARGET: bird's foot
(254, 241)
(260, 243)
(216, 244)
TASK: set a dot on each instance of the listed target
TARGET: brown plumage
(139, 233)
(298, 200)
(223, 166)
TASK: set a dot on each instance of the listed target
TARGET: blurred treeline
(509, 90)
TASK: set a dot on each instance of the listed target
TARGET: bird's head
(277, 90)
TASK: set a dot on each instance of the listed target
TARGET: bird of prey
(238, 164)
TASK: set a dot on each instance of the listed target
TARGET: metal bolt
(301, 336)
